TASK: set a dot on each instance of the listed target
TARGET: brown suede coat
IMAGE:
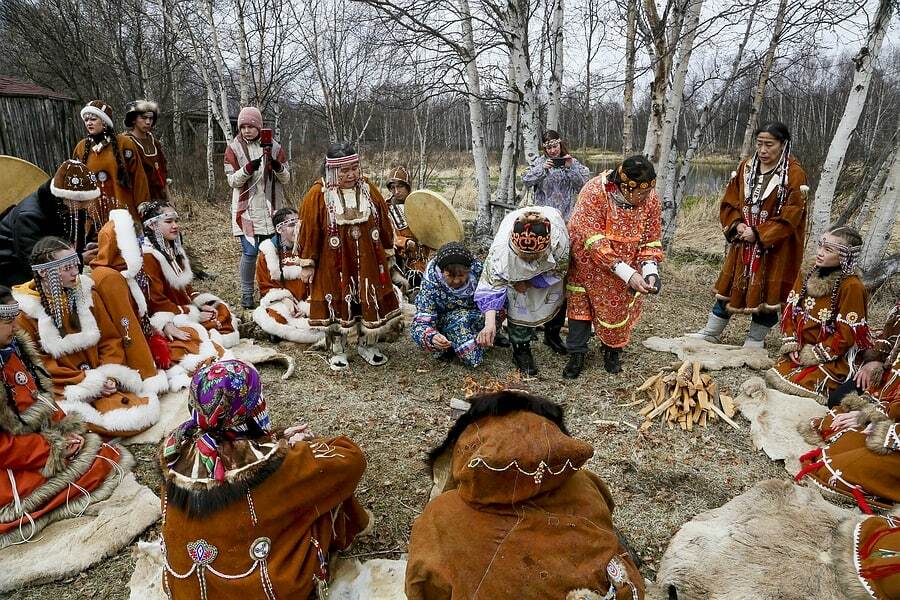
(781, 238)
(875, 562)
(300, 498)
(524, 521)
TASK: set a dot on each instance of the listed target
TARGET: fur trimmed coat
(270, 527)
(824, 337)
(81, 360)
(283, 309)
(780, 235)
(524, 521)
(103, 163)
(33, 432)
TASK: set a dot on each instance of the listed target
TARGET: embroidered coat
(269, 530)
(452, 313)
(759, 276)
(503, 268)
(33, 433)
(349, 241)
(171, 298)
(121, 283)
(870, 566)
(156, 167)
(80, 361)
(524, 521)
(254, 197)
(610, 242)
(558, 186)
(282, 295)
(825, 336)
(103, 164)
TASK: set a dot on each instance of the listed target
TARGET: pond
(705, 179)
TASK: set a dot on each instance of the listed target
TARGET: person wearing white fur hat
(63, 207)
(141, 117)
(114, 159)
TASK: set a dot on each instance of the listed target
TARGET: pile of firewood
(683, 396)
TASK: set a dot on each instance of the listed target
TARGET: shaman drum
(19, 179)
(432, 219)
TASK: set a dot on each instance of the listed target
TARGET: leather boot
(574, 366)
(552, 339)
(756, 337)
(523, 359)
(612, 359)
(712, 331)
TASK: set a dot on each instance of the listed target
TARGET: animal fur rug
(173, 406)
(351, 579)
(69, 546)
(774, 417)
(770, 542)
(714, 357)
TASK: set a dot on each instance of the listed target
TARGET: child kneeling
(447, 320)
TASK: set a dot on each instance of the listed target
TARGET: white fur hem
(91, 387)
(161, 319)
(178, 281)
(226, 340)
(295, 330)
(126, 240)
(206, 298)
(76, 195)
(158, 384)
(93, 110)
(137, 418)
(178, 378)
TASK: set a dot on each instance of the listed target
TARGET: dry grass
(399, 412)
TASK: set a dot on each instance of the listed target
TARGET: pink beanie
(250, 115)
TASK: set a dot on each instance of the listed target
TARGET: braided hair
(781, 133)
(852, 242)
(43, 252)
(109, 133)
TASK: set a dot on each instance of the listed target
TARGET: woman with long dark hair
(556, 176)
(763, 217)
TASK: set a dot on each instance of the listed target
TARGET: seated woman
(170, 295)
(866, 557)
(824, 321)
(247, 512)
(52, 468)
(447, 320)
(283, 310)
(79, 345)
(123, 287)
(524, 520)
(860, 457)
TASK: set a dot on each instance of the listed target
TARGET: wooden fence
(40, 130)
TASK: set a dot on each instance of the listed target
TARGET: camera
(558, 162)
(265, 137)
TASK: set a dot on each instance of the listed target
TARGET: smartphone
(265, 137)
(559, 162)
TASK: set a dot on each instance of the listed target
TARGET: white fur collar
(178, 281)
(127, 241)
(52, 342)
(291, 272)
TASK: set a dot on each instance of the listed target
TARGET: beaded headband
(632, 184)
(8, 312)
(333, 163)
(166, 215)
(551, 143)
(58, 264)
(286, 222)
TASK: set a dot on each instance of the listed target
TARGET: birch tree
(885, 217)
(628, 92)
(834, 161)
(554, 92)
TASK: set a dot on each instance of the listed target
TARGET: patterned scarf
(226, 403)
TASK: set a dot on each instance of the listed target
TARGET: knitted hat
(530, 234)
(400, 175)
(453, 253)
(73, 181)
(139, 107)
(250, 115)
(99, 109)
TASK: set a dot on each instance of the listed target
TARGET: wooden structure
(37, 124)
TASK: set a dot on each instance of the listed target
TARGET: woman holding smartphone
(556, 177)
(256, 168)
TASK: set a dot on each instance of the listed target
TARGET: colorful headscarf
(226, 397)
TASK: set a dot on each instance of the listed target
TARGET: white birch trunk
(859, 91)
(877, 182)
(243, 55)
(210, 141)
(665, 40)
(628, 94)
(517, 30)
(759, 96)
(887, 207)
(506, 184)
(176, 118)
(219, 63)
(476, 122)
(554, 92)
(665, 162)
